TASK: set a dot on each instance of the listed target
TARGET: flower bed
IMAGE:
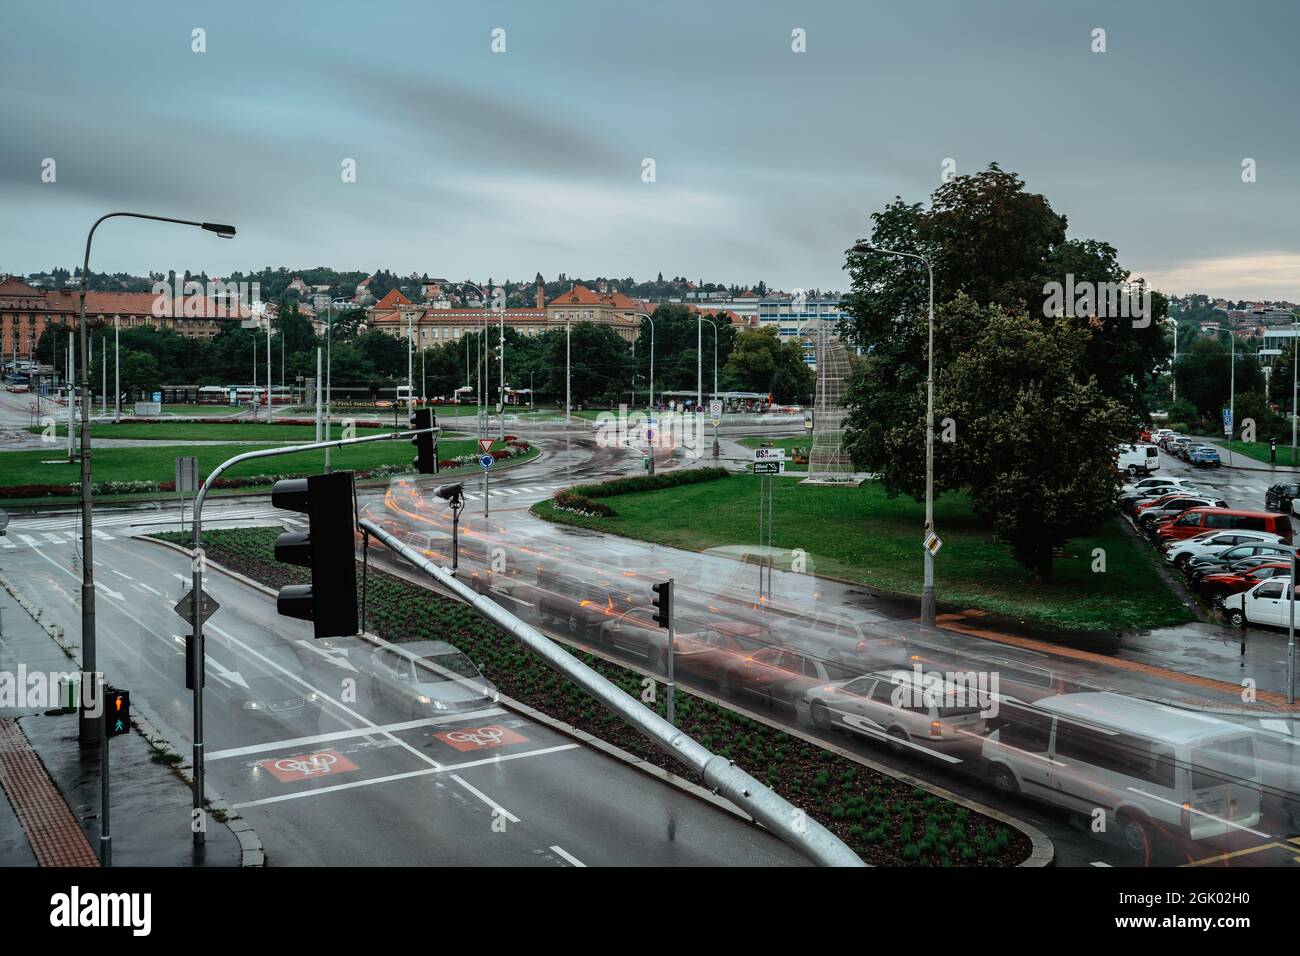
(887, 822)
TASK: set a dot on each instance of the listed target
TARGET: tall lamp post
(715, 356)
(88, 728)
(642, 315)
(1173, 381)
(1232, 386)
(927, 587)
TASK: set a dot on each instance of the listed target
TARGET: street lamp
(927, 587)
(89, 729)
(642, 315)
(1232, 386)
(1173, 380)
(715, 356)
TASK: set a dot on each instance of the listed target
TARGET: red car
(1216, 587)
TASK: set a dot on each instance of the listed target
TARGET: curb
(252, 852)
(1042, 852)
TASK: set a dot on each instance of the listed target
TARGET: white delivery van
(1138, 459)
(1152, 768)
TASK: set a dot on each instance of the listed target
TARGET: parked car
(1130, 503)
(893, 708)
(1138, 459)
(1209, 543)
(1216, 587)
(1144, 485)
(427, 677)
(1266, 603)
(1174, 442)
(1153, 769)
(1196, 520)
(1265, 551)
(1280, 494)
(1149, 517)
(1186, 448)
(1204, 456)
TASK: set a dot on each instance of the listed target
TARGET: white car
(1213, 542)
(1173, 484)
(1265, 603)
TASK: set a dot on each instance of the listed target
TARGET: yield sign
(485, 445)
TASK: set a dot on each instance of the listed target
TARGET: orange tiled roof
(578, 295)
(392, 300)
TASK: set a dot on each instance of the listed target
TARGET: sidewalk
(50, 811)
(1246, 463)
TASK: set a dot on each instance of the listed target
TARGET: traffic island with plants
(1105, 581)
(886, 822)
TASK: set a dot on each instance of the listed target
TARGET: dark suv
(1279, 496)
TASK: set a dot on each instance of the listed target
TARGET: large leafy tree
(1017, 383)
(600, 360)
(992, 245)
(1205, 377)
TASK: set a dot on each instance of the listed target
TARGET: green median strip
(862, 536)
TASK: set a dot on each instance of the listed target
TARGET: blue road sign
(486, 461)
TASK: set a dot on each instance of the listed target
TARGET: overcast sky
(767, 161)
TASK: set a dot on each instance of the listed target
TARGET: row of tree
(605, 368)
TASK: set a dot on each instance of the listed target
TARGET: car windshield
(436, 668)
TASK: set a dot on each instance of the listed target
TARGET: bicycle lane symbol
(481, 738)
(322, 763)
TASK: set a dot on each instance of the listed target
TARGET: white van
(1138, 459)
(1150, 767)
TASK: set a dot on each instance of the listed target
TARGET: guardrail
(789, 823)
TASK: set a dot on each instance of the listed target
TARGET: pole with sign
(115, 721)
(485, 460)
(715, 413)
(768, 463)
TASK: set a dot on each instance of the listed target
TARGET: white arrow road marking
(224, 674)
(337, 658)
(121, 575)
(141, 584)
(115, 595)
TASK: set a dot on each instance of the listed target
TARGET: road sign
(769, 454)
(1227, 422)
(208, 606)
(715, 408)
(486, 461)
(485, 444)
(187, 472)
(932, 543)
(769, 468)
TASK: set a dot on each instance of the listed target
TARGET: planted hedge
(886, 821)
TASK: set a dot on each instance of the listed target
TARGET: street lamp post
(642, 315)
(117, 374)
(1173, 381)
(927, 587)
(88, 728)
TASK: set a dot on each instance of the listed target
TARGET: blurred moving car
(1153, 769)
(779, 676)
(894, 708)
(427, 677)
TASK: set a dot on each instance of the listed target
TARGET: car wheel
(1003, 780)
(1137, 832)
(1237, 617)
(1217, 598)
(899, 740)
(821, 717)
(1180, 562)
(1132, 471)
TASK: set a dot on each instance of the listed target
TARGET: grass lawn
(789, 444)
(158, 464)
(224, 431)
(860, 535)
(1258, 450)
(204, 411)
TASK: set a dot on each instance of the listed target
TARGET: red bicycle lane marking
(309, 766)
(481, 738)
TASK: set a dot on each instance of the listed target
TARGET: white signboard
(769, 454)
(715, 408)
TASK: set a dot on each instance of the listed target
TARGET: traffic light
(663, 601)
(330, 601)
(426, 447)
(117, 712)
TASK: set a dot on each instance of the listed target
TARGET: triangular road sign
(485, 445)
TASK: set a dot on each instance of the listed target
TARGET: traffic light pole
(672, 685)
(198, 822)
(105, 833)
(786, 821)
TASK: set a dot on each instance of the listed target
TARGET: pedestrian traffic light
(327, 548)
(426, 446)
(663, 601)
(117, 712)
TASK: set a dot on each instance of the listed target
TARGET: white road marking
(141, 584)
(409, 775)
(54, 538)
(485, 798)
(30, 541)
(102, 536)
(1099, 863)
(355, 732)
(115, 595)
(121, 575)
(8, 544)
(568, 856)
